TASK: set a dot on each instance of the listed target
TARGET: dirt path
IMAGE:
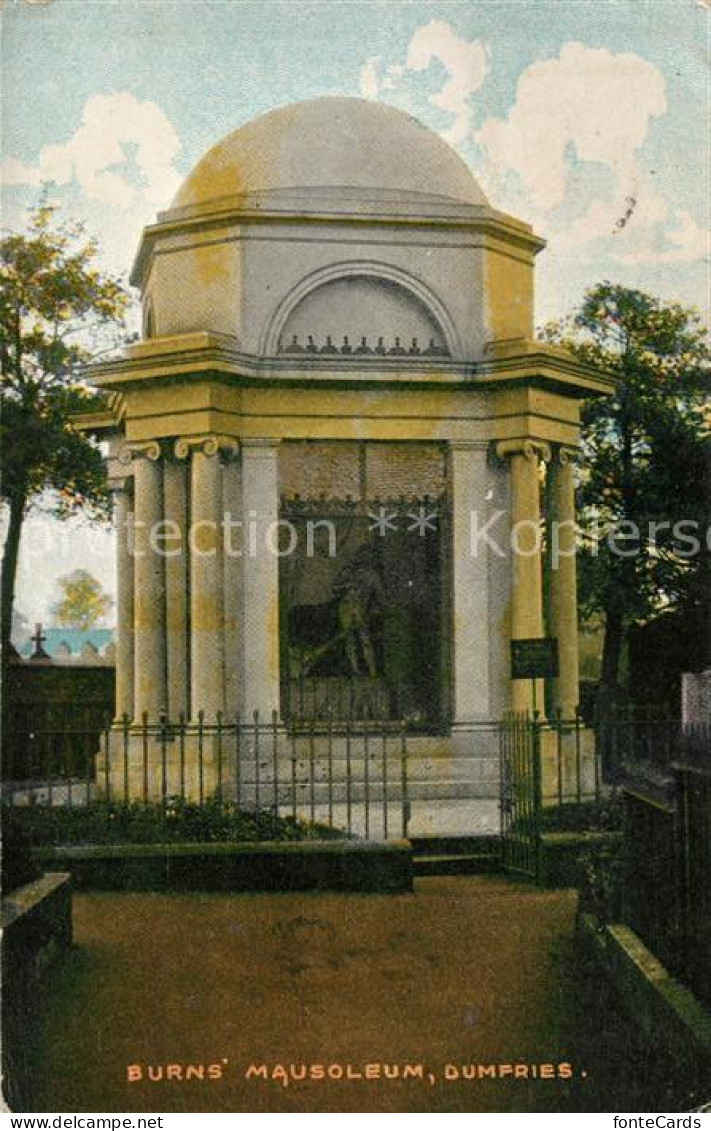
(467, 971)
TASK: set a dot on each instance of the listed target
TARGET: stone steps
(450, 845)
(418, 770)
(443, 790)
(455, 856)
(474, 863)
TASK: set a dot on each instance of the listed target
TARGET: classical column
(526, 574)
(207, 680)
(563, 603)
(175, 548)
(260, 501)
(149, 583)
(123, 525)
(470, 590)
(232, 581)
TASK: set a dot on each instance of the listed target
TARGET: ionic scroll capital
(149, 449)
(205, 445)
(564, 455)
(533, 450)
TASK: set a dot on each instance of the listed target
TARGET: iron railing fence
(693, 782)
(571, 763)
(306, 698)
(647, 890)
(361, 776)
(521, 792)
(372, 779)
(663, 888)
(315, 772)
(641, 737)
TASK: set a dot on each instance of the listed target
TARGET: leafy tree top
(646, 445)
(83, 602)
(57, 308)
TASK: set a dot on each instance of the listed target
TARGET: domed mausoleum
(335, 419)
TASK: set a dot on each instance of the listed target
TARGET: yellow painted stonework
(509, 292)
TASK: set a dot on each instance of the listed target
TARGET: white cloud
(370, 77)
(590, 101)
(123, 151)
(591, 108)
(681, 240)
(466, 63)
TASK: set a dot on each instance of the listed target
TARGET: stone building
(338, 346)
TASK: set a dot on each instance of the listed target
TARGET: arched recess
(413, 289)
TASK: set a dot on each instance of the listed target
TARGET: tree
(55, 306)
(83, 601)
(647, 462)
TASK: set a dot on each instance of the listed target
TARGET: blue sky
(571, 113)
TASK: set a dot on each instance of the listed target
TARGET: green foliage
(18, 867)
(53, 303)
(177, 821)
(581, 816)
(57, 309)
(647, 455)
(602, 888)
(83, 601)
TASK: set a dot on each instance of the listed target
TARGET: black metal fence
(365, 778)
(307, 698)
(571, 765)
(354, 777)
(521, 794)
(694, 825)
(649, 891)
(641, 737)
(664, 872)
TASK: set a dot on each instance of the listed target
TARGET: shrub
(176, 821)
(18, 867)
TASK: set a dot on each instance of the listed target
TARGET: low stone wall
(36, 922)
(265, 866)
(667, 1013)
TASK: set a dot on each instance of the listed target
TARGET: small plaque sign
(536, 658)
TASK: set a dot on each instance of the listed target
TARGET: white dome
(335, 148)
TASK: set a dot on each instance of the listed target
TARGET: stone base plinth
(153, 767)
(305, 769)
(568, 764)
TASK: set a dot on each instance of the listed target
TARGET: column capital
(205, 445)
(149, 449)
(533, 450)
(565, 454)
